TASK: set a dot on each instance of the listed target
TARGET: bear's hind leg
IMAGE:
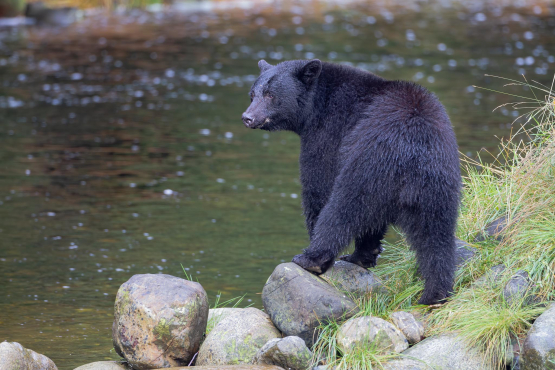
(367, 249)
(434, 244)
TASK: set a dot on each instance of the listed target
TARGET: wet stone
(229, 367)
(237, 338)
(14, 357)
(411, 328)
(352, 278)
(445, 351)
(517, 287)
(363, 331)
(289, 352)
(494, 229)
(159, 320)
(464, 252)
(298, 301)
(492, 276)
(103, 365)
(538, 350)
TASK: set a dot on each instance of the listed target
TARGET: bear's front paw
(312, 265)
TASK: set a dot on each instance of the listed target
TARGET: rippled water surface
(122, 151)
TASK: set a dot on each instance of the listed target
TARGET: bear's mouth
(260, 125)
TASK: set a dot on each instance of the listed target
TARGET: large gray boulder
(103, 365)
(298, 301)
(442, 352)
(237, 338)
(538, 350)
(289, 352)
(14, 357)
(159, 321)
(359, 332)
(352, 278)
(411, 328)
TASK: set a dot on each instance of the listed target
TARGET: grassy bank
(519, 184)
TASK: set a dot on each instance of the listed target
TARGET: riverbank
(123, 152)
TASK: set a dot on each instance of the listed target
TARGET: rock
(297, 301)
(411, 328)
(289, 352)
(464, 252)
(14, 357)
(352, 278)
(538, 350)
(220, 313)
(237, 338)
(492, 276)
(495, 229)
(445, 351)
(229, 367)
(103, 365)
(215, 315)
(361, 331)
(517, 287)
(159, 320)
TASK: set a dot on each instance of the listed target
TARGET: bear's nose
(247, 120)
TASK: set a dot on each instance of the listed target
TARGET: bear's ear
(310, 71)
(264, 66)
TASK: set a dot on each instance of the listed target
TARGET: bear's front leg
(347, 214)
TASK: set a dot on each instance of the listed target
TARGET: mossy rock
(14, 357)
(159, 320)
(236, 339)
(538, 352)
(360, 332)
(290, 353)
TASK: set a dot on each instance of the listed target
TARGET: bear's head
(281, 97)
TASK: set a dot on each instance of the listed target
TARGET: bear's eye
(269, 96)
(252, 96)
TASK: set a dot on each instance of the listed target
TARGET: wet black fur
(374, 152)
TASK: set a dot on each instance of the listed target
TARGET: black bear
(374, 152)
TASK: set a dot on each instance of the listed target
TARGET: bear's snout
(248, 120)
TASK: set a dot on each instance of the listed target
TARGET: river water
(122, 150)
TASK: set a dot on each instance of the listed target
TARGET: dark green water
(122, 150)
